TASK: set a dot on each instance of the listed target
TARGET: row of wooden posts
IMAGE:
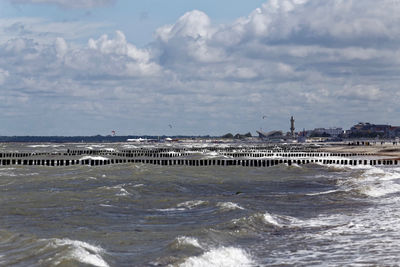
(196, 162)
(156, 154)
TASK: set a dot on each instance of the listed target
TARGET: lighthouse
(292, 126)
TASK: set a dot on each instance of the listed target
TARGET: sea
(148, 215)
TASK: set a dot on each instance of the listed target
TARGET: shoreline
(386, 150)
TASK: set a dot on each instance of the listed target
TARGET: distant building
(369, 130)
(270, 135)
(332, 132)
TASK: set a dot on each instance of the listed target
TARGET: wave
(295, 165)
(268, 221)
(323, 193)
(191, 204)
(221, 256)
(268, 218)
(191, 241)
(171, 209)
(121, 191)
(378, 182)
(129, 146)
(45, 146)
(93, 158)
(187, 205)
(27, 250)
(367, 180)
(227, 206)
(80, 251)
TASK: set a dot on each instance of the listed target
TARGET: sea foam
(93, 158)
(191, 204)
(222, 257)
(184, 240)
(227, 206)
(380, 181)
(80, 251)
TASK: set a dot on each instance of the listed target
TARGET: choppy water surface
(145, 215)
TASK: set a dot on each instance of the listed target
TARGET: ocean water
(146, 215)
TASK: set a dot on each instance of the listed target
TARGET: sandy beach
(387, 149)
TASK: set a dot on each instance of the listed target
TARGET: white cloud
(61, 47)
(136, 61)
(3, 76)
(363, 92)
(67, 3)
(319, 60)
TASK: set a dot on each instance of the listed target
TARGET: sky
(178, 67)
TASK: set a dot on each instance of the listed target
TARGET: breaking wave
(191, 204)
(26, 250)
(227, 206)
(80, 251)
(191, 241)
(222, 257)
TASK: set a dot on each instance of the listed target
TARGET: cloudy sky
(87, 67)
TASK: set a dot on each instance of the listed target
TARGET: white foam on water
(36, 146)
(185, 240)
(229, 206)
(106, 205)
(380, 181)
(211, 155)
(184, 206)
(269, 219)
(129, 146)
(109, 149)
(9, 174)
(9, 183)
(221, 257)
(296, 165)
(191, 204)
(45, 146)
(122, 191)
(138, 185)
(322, 193)
(81, 251)
(171, 209)
(93, 158)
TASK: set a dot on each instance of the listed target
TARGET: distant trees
(228, 135)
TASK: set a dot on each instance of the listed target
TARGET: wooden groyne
(194, 162)
(257, 156)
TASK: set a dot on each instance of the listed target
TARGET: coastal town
(361, 130)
